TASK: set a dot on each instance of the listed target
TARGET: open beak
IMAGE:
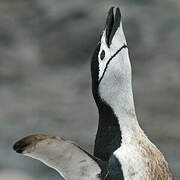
(112, 24)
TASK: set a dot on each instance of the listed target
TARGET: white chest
(132, 163)
(142, 162)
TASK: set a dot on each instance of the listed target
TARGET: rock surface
(45, 50)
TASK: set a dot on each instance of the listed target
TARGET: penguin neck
(119, 97)
(117, 118)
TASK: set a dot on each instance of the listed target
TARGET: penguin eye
(102, 55)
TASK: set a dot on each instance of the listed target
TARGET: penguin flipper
(68, 159)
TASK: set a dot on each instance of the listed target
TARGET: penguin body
(122, 151)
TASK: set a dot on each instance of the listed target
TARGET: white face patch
(104, 61)
(118, 42)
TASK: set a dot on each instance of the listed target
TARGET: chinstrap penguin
(122, 151)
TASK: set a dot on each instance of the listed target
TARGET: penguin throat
(120, 100)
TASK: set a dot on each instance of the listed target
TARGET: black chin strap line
(124, 46)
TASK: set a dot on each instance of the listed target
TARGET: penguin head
(110, 66)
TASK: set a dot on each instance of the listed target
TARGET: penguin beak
(112, 24)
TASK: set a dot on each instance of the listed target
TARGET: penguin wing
(68, 159)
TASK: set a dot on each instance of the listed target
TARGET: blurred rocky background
(45, 51)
